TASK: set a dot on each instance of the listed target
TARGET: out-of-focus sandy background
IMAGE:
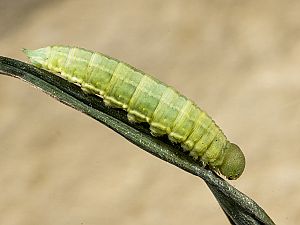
(239, 60)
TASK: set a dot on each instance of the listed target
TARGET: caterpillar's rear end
(146, 100)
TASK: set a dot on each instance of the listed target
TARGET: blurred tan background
(238, 60)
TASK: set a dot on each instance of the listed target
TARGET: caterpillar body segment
(146, 99)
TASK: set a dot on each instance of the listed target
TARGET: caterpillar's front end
(234, 162)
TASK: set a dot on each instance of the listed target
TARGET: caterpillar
(145, 99)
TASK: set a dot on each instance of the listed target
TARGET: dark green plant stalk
(239, 208)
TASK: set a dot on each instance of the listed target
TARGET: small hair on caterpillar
(145, 99)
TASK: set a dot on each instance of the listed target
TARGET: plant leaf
(239, 208)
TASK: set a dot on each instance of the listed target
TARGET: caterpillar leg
(156, 132)
(107, 102)
(131, 118)
(194, 154)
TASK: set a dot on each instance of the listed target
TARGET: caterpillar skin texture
(146, 99)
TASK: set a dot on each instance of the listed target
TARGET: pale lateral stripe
(161, 105)
(197, 126)
(137, 90)
(206, 145)
(113, 79)
(182, 113)
(70, 55)
(90, 67)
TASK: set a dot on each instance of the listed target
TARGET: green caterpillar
(146, 99)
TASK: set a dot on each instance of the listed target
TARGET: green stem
(238, 207)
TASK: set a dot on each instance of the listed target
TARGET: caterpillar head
(38, 57)
(234, 162)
